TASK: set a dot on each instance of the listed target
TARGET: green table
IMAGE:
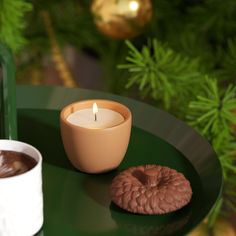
(76, 203)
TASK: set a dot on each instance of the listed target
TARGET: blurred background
(178, 55)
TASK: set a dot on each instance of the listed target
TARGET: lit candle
(95, 118)
(95, 138)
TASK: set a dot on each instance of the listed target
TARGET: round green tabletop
(77, 203)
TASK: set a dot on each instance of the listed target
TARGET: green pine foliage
(12, 22)
(211, 112)
(214, 18)
(161, 73)
(228, 69)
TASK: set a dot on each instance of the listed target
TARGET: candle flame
(95, 108)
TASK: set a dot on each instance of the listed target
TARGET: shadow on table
(40, 128)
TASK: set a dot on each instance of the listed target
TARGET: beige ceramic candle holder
(95, 150)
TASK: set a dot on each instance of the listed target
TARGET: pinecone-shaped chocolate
(150, 189)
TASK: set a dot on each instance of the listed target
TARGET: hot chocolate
(15, 163)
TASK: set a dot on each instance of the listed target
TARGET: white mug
(21, 197)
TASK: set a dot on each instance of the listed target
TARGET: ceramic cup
(95, 150)
(21, 198)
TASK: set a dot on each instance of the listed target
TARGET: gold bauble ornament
(121, 19)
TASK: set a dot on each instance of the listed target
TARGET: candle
(96, 118)
(95, 138)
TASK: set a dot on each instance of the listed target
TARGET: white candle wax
(105, 118)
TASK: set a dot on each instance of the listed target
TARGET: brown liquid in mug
(15, 163)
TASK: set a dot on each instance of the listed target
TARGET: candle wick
(95, 116)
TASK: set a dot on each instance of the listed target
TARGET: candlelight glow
(95, 108)
(133, 5)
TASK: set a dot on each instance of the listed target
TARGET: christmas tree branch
(212, 114)
(12, 22)
(161, 73)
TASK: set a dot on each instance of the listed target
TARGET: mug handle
(8, 122)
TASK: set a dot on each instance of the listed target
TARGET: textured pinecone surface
(150, 189)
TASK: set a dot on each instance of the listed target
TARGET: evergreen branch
(12, 22)
(226, 150)
(212, 111)
(158, 69)
(228, 70)
(214, 18)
